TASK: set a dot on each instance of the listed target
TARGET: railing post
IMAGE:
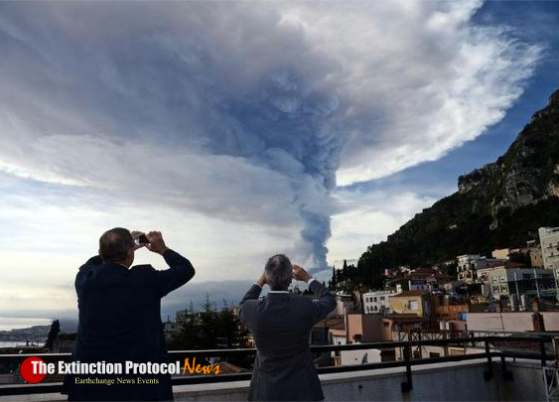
(488, 375)
(542, 353)
(407, 386)
(507, 375)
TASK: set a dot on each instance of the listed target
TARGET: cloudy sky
(244, 129)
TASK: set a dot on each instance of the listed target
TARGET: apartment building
(503, 282)
(377, 301)
(469, 264)
(549, 243)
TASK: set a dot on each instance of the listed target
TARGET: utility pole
(516, 283)
(537, 286)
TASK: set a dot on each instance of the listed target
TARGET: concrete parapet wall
(451, 381)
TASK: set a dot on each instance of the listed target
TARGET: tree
(53, 334)
(451, 269)
(208, 328)
(520, 258)
(334, 280)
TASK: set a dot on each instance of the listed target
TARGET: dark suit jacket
(281, 325)
(120, 320)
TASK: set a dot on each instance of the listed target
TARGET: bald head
(117, 245)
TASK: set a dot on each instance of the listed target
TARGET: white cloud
(46, 238)
(57, 236)
(367, 218)
(417, 79)
(224, 123)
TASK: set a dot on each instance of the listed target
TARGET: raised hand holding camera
(300, 274)
(261, 280)
(140, 239)
(156, 242)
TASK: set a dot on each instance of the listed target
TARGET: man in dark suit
(120, 314)
(281, 325)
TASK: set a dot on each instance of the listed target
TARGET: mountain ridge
(499, 205)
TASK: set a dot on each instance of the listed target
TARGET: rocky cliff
(527, 173)
(499, 205)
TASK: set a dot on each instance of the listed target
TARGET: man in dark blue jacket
(120, 315)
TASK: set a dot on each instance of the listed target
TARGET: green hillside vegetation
(500, 205)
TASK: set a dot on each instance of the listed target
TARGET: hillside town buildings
(503, 291)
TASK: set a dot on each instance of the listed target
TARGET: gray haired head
(279, 272)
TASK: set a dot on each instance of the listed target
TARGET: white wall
(510, 322)
(349, 357)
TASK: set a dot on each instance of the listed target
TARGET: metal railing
(490, 347)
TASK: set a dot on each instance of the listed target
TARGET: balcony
(492, 368)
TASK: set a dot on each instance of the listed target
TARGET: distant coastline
(11, 344)
(9, 323)
(31, 336)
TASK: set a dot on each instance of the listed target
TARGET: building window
(414, 305)
(382, 298)
(494, 279)
(375, 299)
(502, 278)
(495, 289)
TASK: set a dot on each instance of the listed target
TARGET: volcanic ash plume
(241, 111)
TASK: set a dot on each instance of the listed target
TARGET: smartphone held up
(142, 240)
